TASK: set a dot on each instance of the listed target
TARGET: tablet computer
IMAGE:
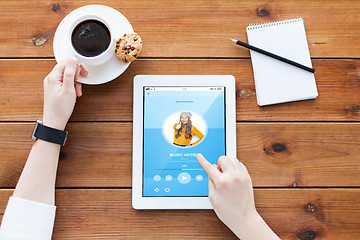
(174, 118)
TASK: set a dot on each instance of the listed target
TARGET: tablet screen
(180, 122)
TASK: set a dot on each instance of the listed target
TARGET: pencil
(273, 55)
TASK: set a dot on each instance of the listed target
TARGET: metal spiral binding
(271, 24)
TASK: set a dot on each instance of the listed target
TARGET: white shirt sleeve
(25, 219)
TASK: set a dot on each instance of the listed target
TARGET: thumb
(211, 188)
(69, 75)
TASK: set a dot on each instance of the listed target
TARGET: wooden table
(304, 157)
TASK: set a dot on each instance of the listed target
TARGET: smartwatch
(49, 134)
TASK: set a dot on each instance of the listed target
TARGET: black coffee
(90, 38)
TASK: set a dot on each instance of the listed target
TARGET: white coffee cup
(91, 60)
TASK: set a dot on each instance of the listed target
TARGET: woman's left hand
(60, 92)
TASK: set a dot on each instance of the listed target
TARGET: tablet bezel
(140, 81)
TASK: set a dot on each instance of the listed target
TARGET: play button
(184, 178)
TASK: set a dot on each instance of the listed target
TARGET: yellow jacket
(181, 140)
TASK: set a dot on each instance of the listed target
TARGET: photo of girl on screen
(184, 131)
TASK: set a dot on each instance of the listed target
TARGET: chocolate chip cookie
(128, 47)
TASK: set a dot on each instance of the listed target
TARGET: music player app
(180, 122)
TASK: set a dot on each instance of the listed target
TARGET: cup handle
(80, 62)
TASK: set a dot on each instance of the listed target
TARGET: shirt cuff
(25, 219)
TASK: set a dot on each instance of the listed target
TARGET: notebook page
(276, 81)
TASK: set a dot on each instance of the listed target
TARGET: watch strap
(49, 134)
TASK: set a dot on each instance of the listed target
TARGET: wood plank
(187, 28)
(338, 84)
(276, 154)
(293, 214)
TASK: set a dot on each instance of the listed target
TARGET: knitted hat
(186, 114)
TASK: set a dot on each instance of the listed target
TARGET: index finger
(83, 71)
(210, 169)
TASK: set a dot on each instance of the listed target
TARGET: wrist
(53, 123)
(246, 226)
(254, 227)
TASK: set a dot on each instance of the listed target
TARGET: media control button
(199, 178)
(157, 178)
(156, 189)
(184, 178)
(168, 178)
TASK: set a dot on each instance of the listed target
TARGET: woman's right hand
(177, 127)
(231, 195)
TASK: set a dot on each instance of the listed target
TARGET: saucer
(107, 71)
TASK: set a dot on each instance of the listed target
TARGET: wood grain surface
(303, 157)
(187, 28)
(276, 154)
(293, 214)
(338, 83)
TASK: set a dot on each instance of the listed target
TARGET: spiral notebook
(276, 81)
